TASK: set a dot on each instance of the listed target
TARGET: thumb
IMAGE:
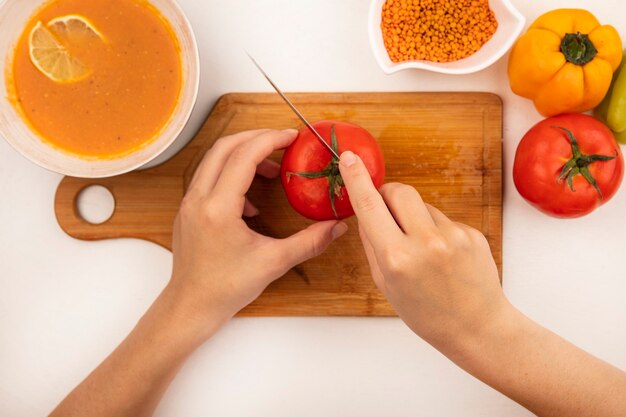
(308, 243)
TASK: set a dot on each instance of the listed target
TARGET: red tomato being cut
(568, 165)
(310, 174)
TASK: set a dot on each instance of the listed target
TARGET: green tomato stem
(331, 172)
(579, 164)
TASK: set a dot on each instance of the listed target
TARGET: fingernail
(348, 159)
(339, 230)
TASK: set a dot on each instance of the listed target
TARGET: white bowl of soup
(95, 88)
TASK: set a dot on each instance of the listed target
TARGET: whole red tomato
(568, 165)
(310, 174)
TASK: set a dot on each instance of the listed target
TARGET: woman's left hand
(221, 265)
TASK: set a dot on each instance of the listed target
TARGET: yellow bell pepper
(565, 62)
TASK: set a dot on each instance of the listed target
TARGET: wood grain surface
(447, 145)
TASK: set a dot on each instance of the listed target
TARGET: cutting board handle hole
(95, 204)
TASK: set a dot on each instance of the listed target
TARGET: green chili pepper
(612, 110)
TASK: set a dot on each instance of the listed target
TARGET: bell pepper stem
(578, 48)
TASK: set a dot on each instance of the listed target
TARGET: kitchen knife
(296, 111)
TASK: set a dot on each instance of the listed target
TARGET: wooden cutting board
(447, 145)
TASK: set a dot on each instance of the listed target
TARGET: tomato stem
(331, 172)
(579, 164)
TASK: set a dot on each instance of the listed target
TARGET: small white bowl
(14, 14)
(510, 25)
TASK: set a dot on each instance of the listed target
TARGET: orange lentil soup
(122, 85)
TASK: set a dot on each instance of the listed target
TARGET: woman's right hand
(439, 275)
(443, 282)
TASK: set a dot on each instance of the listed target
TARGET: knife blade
(295, 110)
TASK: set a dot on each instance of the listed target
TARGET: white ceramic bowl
(14, 14)
(510, 25)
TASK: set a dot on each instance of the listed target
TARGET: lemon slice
(50, 55)
(52, 58)
(74, 27)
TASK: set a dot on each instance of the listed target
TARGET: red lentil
(436, 30)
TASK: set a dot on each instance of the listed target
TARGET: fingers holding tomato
(310, 174)
(568, 165)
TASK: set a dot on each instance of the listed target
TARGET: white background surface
(65, 304)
